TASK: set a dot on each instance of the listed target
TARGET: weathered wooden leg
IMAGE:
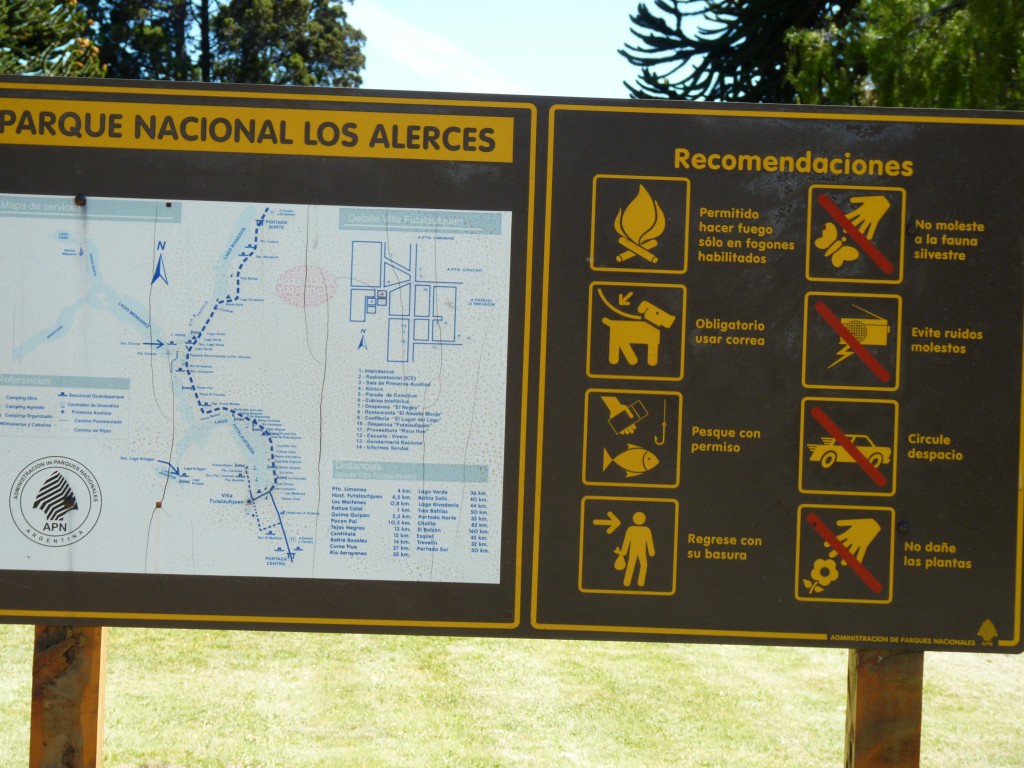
(67, 697)
(883, 709)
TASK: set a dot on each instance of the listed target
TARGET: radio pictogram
(845, 554)
(636, 331)
(852, 341)
(848, 446)
(855, 234)
(639, 224)
(628, 546)
(632, 438)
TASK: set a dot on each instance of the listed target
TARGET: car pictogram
(828, 451)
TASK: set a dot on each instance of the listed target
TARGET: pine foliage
(47, 37)
(738, 51)
(907, 53)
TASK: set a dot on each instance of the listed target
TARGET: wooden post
(68, 672)
(883, 709)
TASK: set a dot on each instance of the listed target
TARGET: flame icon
(639, 226)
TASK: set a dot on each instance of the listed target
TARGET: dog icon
(626, 335)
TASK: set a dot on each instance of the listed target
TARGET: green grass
(200, 699)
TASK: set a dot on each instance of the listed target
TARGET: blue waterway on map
(99, 296)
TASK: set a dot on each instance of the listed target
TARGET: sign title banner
(258, 130)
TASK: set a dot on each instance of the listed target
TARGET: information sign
(259, 355)
(790, 344)
(320, 359)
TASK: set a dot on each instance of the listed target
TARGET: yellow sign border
(761, 114)
(188, 124)
(634, 376)
(286, 95)
(800, 527)
(675, 547)
(593, 226)
(803, 446)
(898, 341)
(679, 433)
(903, 236)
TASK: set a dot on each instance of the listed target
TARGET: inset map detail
(386, 289)
(305, 391)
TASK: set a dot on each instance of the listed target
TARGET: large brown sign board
(400, 362)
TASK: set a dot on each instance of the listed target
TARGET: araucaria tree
(720, 50)
(911, 53)
(47, 37)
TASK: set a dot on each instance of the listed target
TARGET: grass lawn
(232, 699)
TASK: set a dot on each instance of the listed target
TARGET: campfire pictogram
(639, 226)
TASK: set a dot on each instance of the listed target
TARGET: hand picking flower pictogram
(857, 536)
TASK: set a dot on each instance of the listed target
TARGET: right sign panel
(781, 377)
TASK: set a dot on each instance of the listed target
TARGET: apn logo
(55, 498)
(46, 492)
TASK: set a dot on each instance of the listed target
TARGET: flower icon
(823, 573)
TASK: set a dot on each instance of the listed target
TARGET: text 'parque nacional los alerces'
(331, 132)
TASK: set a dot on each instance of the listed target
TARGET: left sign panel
(285, 394)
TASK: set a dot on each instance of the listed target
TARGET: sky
(538, 48)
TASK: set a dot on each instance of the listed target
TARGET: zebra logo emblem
(55, 501)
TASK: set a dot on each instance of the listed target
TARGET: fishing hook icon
(664, 423)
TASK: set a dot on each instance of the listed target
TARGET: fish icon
(634, 461)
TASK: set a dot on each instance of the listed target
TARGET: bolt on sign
(359, 361)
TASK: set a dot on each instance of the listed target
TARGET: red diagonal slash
(858, 237)
(851, 341)
(855, 453)
(855, 565)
